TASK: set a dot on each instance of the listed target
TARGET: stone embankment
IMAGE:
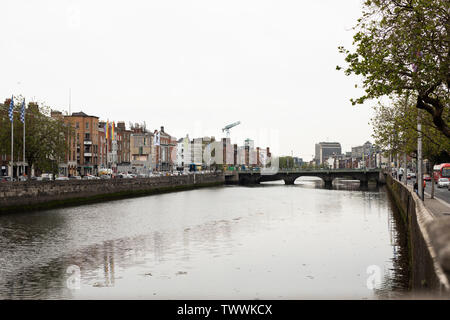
(429, 240)
(33, 195)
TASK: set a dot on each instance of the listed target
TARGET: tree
(286, 162)
(46, 137)
(404, 46)
(395, 130)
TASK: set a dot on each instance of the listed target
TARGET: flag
(107, 130)
(22, 114)
(157, 137)
(11, 109)
(112, 131)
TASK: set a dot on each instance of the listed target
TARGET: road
(440, 193)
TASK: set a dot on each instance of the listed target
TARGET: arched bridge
(289, 176)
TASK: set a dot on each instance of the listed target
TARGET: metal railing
(310, 170)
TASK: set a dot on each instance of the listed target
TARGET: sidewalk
(436, 206)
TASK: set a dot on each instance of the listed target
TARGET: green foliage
(395, 129)
(404, 46)
(45, 138)
(286, 163)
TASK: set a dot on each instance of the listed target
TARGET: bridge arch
(328, 176)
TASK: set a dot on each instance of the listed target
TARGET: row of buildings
(94, 145)
(98, 144)
(207, 151)
(365, 156)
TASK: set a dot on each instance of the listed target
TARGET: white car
(62, 178)
(124, 175)
(90, 177)
(443, 182)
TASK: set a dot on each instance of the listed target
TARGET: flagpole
(23, 173)
(12, 149)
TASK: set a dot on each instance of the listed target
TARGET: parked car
(47, 176)
(23, 178)
(6, 179)
(443, 182)
(75, 178)
(124, 175)
(90, 177)
(62, 178)
(426, 177)
(105, 176)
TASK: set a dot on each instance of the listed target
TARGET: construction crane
(228, 127)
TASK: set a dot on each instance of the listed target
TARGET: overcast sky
(192, 66)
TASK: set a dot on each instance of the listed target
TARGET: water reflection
(271, 241)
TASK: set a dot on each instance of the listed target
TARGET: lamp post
(419, 158)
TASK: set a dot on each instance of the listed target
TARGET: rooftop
(80, 114)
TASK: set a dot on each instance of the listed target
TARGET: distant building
(326, 149)
(298, 162)
(364, 150)
(83, 155)
(123, 137)
(166, 151)
(250, 152)
(366, 155)
(198, 147)
(141, 150)
(183, 153)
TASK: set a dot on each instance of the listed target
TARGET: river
(270, 241)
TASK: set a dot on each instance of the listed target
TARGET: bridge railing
(257, 170)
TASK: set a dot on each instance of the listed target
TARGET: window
(87, 125)
(77, 125)
(87, 136)
(446, 172)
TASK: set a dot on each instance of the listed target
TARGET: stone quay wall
(428, 240)
(33, 195)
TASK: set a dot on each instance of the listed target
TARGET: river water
(232, 242)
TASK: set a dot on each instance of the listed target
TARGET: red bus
(441, 171)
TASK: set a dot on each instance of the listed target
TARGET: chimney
(162, 128)
(121, 125)
(56, 114)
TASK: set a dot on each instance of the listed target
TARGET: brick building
(142, 150)
(165, 151)
(83, 155)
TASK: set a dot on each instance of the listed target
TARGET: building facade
(165, 151)
(142, 150)
(83, 151)
(324, 150)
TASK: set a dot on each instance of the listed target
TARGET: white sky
(192, 66)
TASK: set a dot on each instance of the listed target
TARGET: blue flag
(11, 109)
(22, 115)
